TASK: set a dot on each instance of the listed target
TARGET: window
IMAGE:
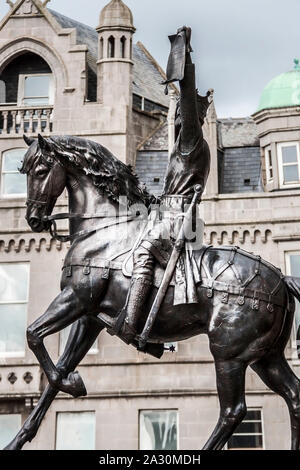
(101, 48)
(75, 431)
(288, 160)
(158, 430)
(13, 183)
(249, 434)
(123, 47)
(111, 47)
(293, 269)
(137, 101)
(35, 90)
(63, 338)
(269, 164)
(9, 427)
(14, 282)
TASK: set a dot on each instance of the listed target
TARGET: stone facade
(120, 381)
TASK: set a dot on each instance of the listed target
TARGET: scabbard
(160, 296)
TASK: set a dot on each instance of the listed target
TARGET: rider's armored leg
(141, 282)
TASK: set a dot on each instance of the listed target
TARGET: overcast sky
(239, 44)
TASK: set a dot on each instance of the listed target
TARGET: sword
(179, 244)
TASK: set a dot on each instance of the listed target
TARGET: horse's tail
(293, 285)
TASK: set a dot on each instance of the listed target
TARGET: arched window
(111, 47)
(101, 50)
(29, 81)
(123, 47)
(2, 92)
(130, 48)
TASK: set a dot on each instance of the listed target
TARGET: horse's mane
(108, 174)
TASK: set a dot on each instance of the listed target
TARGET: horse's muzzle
(36, 224)
(35, 218)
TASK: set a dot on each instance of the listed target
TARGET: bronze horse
(246, 306)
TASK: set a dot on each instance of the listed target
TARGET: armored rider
(189, 165)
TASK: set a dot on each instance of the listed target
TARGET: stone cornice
(28, 243)
(125, 394)
(264, 114)
(262, 195)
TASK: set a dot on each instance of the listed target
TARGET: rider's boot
(140, 288)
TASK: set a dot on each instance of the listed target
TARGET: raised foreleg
(62, 312)
(83, 334)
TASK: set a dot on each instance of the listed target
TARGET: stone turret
(116, 15)
(115, 64)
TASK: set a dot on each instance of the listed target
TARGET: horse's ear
(43, 143)
(27, 140)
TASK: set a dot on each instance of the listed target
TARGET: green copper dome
(282, 91)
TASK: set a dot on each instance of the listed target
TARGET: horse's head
(46, 180)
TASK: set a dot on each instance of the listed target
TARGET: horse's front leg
(82, 336)
(63, 311)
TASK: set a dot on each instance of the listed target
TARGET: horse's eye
(42, 172)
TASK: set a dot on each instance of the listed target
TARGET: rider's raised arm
(191, 129)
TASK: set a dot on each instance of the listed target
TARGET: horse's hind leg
(63, 311)
(83, 334)
(278, 376)
(231, 391)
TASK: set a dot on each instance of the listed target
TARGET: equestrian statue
(140, 270)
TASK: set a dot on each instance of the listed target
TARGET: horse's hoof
(75, 385)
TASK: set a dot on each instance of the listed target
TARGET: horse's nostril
(34, 222)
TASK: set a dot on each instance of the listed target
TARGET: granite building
(58, 76)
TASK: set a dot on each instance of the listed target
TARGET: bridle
(44, 203)
(51, 219)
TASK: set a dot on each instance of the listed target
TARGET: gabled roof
(239, 132)
(239, 160)
(158, 140)
(147, 74)
(85, 34)
(151, 167)
(240, 170)
(39, 9)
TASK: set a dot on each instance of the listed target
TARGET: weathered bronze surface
(244, 304)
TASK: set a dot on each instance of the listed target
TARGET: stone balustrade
(16, 379)
(15, 120)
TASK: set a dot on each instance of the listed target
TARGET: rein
(66, 238)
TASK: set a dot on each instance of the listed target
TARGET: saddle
(185, 278)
